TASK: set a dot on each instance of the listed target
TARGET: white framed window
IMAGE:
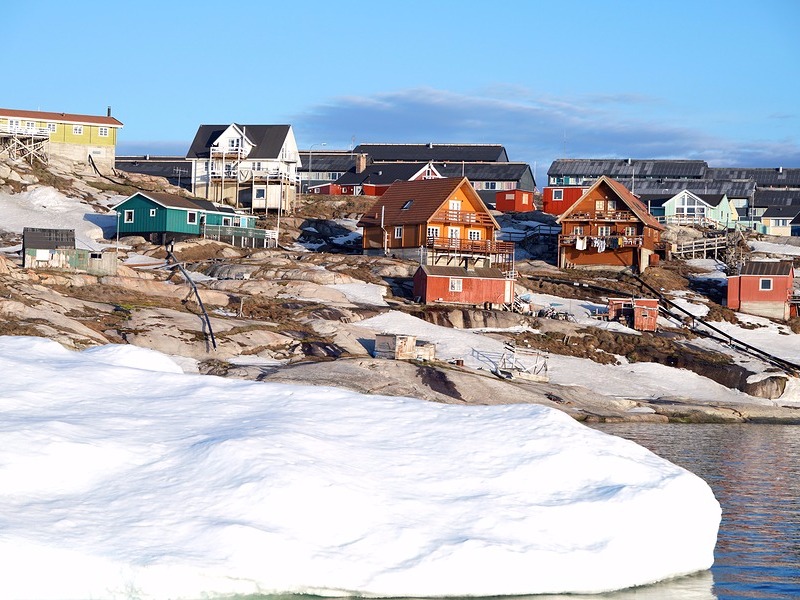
(454, 232)
(630, 231)
(51, 127)
(257, 166)
(237, 222)
(234, 143)
(30, 126)
(433, 232)
(525, 199)
(765, 284)
(474, 234)
(398, 232)
(455, 204)
(261, 193)
(226, 221)
(77, 130)
(490, 185)
(599, 205)
(152, 212)
(127, 216)
(102, 131)
(604, 230)
(14, 124)
(611, 205)
(191, 217)
(577, 230)
(455, 284)
(558, 195)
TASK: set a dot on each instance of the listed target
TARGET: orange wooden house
(608, 227)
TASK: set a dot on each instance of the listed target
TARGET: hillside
(309, 312)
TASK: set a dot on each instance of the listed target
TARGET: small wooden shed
(462, 285)
(639, 313)
(403, 347)
(514, 201)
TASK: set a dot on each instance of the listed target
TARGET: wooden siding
(474, 290)
(514, 201)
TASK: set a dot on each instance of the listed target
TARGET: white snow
(47, 207)
(772, 248)
(123, 479)
(362, 293)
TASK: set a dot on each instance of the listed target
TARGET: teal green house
(687, 208)
(163, 218)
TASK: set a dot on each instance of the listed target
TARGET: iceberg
(127, 480)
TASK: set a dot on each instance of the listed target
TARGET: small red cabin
(458, 285)
(514, 201)
(765, 288)
(639, 313)
(556, 200)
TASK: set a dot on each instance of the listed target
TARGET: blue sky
(712, 80)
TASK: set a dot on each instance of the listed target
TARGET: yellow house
(32, 133)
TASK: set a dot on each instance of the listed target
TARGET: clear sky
(717, 80)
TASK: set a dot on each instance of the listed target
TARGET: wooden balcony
(625, 241)
(462, 217)
(462, 245)
(614, 215)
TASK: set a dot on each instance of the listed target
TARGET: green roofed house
(163, 218)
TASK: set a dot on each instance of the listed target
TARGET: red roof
(37, 115)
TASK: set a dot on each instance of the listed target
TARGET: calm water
(754, 471)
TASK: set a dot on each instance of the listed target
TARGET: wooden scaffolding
(26, 143)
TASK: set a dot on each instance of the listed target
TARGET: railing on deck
(471, 246)
(623, 241)
(461, 216)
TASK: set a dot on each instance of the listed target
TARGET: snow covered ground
(122, 477)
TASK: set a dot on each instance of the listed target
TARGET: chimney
(361, 163)
(108, 111)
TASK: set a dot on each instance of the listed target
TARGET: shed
(55, 249)
(639, 313)
(765, 288)
(461, 285)
(514, 201)
(403, 347)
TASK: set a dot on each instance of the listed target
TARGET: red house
(639, 313)
(462, 285)
(514, 201)
(555, 200)
(764, 288)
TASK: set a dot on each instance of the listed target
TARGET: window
(191, 217)
(604, 230)
(577, 230)
(226, 221)
(525, 199)
(237, 222)
(14, 124)
(261, 193)
(599, 205)
(474, 234)
(455, 285)
(30, 126)
(455, 204)
(765, 284)
(454, 233)
(95, 255)
(407, 205)
(257, 166)
(558, 195)
(152, 212)
(51, 127)
(234, 143)
(398, 232)
(102, 131)
(77, 130)
(490, 185)
(630, 231)
(128, 216)
(433, 232)
(611, 205)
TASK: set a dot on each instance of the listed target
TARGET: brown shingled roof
(421, 199)
(37, 115)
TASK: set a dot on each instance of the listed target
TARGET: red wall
(475, 290)
(514, 201)
(749, 289)
(556, 207)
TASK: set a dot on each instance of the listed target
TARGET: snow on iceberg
(122, 483)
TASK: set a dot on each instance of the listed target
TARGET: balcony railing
(470, 246)
(33, 131)
(612, 215)
(623, 241)
(462, 216)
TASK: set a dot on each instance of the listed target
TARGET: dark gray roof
(777, 177)
(623, 168)
(159, 166)
(776, 197)
(767, 267)
(483, 171)
(338, 161)
(651, 200)
(442, 271)
(268, 140)
(782, 212)
(435, 152)
(40, 238)
(699, 187)
(380, 174)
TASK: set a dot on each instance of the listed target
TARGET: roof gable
(623, 195)
(267, 140)
(415, 202)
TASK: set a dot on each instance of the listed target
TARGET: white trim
(126, 214)
(189, 215)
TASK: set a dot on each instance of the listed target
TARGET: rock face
(769, 387)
